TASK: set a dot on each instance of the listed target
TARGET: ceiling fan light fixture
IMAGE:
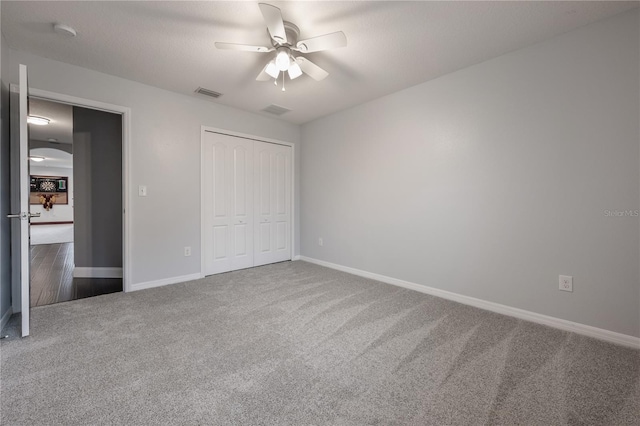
(294, 70)
(282, 59)
(284, 37)
(272, 69)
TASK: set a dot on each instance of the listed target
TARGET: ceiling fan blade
(311, 69)
(245, 47)
(323, 42)
(273, 18)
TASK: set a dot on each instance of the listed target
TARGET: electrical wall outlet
(320, 242)
(187, 251)
(566, 283)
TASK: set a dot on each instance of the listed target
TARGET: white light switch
(142, 191)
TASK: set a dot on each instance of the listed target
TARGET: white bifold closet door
(228, 188)
(247, 203)
(272, 204)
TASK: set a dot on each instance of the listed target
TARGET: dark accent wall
(97, 169)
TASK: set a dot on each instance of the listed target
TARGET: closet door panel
(264, 237)
(281, 235)
(241, 188)
(240, 245)
(273, 186)
(228, 203)
(247, 203)
(220, 246)
(264, 181)
(242, 203)
(217, 223)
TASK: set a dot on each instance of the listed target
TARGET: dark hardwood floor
(52, 277)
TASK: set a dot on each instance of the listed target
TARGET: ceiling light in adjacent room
(64, 30)
(36, 159)
(38, 121)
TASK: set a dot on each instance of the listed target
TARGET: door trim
(125, 112)
(205, 129)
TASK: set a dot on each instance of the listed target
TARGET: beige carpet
(298, 344)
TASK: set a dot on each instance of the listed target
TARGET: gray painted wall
(5, 189)
(493, 180)
(97, 168)
(165, 156)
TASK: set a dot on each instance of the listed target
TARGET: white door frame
(204, 129)
(126, 165)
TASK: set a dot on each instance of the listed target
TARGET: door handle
(23, 215)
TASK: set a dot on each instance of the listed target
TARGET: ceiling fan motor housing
(293, 34)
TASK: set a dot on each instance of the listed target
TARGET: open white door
(20, 200)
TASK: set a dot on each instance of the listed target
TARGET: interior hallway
(52, 278)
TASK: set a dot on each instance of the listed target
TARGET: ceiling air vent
(275, 109)
(207, 92)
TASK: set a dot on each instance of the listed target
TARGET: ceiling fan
(284, 40)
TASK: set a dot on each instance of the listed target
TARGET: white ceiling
(52, 158)
(61, 125)
(391, 45)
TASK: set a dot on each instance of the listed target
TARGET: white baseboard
(164, 281)
(586, 330)
(5, 318)
(100, 272)
(296, 257)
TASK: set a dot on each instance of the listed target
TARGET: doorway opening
(76, 246)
